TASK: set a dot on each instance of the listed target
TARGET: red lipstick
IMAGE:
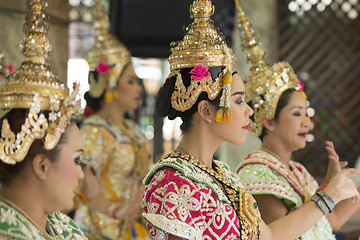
(303, 134)
(247, 127)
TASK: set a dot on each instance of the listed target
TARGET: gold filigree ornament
(203, 45)
(265, 83)
(34, 87)
(250, 215)
(107, 49)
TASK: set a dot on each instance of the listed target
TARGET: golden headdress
(203, 46)
(109, 51)
(266, 83)
(33, 86)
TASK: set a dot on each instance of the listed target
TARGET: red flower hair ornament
(199, 72)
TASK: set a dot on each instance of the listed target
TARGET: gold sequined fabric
(114, 158)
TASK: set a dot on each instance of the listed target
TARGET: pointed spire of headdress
(254, 52)
(203, 44)
(106, 50)
(265, 83)
(34, 70)
(33, 86)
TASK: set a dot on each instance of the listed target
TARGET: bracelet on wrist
(328, 200)
(323, 201)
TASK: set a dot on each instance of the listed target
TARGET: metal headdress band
(33, 86)
(107, 50)
(266, 83)
(203, 46)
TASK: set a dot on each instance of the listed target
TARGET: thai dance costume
(34, 88)
(183, 196)
(186, 199)
(120, 160)
(261, 172)
(15, 224)
(116, 150)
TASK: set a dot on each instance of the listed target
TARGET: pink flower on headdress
(10, 68)
(199, 72)
(301, 85)
(102, 67)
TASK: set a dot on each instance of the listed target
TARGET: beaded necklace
(243, 203)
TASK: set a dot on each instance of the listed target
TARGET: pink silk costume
(182, 200)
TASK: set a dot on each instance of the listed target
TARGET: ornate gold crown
(3, 65)
(107, 49)
(33, 86)
(265, 83)
(203, 45)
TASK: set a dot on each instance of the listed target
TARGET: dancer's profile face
(236, 130)
(129, 89)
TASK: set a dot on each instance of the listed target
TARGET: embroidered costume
(183, 200)
(120, 159)
(262, 173)
(15, 224)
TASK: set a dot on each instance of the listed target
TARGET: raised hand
(335, 164)
(341, 187)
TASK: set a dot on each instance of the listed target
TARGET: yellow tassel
(304, 95)
(227, 115)
(227, 78)
(109, 97)
(219, 115)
